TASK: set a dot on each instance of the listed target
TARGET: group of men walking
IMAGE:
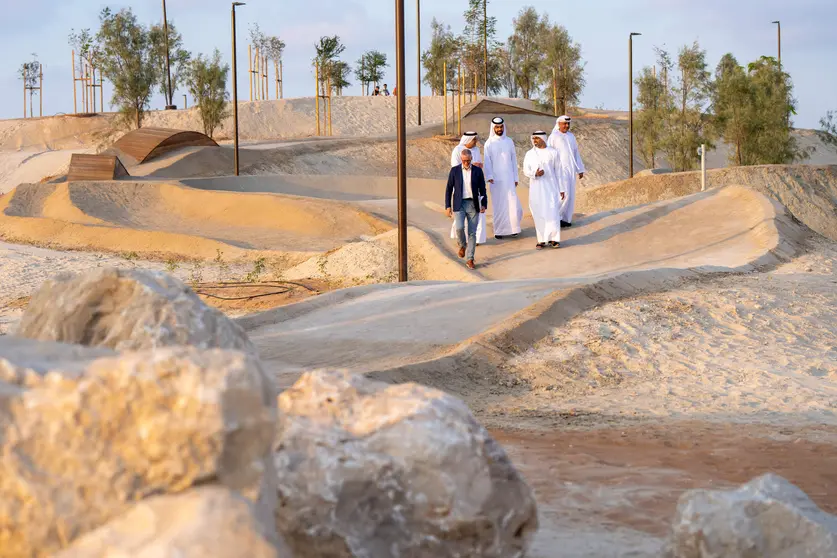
(553, 167)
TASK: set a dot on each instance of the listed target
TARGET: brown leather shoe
(462, 252)
(470, 264)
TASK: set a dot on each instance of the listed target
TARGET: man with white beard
(543, 167)
(469, 141)
(502, 175)
(572, 168)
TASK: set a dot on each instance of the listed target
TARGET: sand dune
(163, 218)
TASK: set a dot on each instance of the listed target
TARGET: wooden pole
(555, 91)
(485, 43)
(24, 91)
(276, 71)
(250, 69)
(459, 87)
(401, 138)
(328, 85)
(265, 82)
(281, 81)
(101, 91)
(418, 48)
(185, 103)
(317, 94)
(41, 90)
(445, 92)
(75, 103)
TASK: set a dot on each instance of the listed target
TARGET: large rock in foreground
(766, 518)
(88, 441)
(205, 522)
(399, 471)
(127, 310)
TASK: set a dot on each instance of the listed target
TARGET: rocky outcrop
(367, 469)
(766, 518)
(92, 436)
(204, 522)
(127, 310)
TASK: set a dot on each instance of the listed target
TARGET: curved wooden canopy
(486, 106)
(146, 143)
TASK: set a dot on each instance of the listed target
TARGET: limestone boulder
(87, 441)
(373, 470)
(200, 523)
(127, 310)
(765, 518)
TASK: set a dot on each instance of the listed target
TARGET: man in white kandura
(543, 167)
(572, 168)
(469, 141)
(502, 175)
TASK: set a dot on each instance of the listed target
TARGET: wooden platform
(95, 167)
(146, 143)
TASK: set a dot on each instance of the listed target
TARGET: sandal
(554, 244)
(540, 246)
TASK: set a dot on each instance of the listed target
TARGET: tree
(339, 73)
(370, 68)
(207, 82)
(733, 104)
(688, 125)
(508, 64)
(328, 51)
(178, 59)
(443, 48)
(654, 107)
(128, 61)
(828, 128)
(563, 56)
(478, 37)
(30, 75)
(527, 45)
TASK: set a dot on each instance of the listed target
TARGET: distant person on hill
(465, 197)
(501, 170)
(377, 91)
(385, 92)
(572, 168)
(469, 141)
(543, 167)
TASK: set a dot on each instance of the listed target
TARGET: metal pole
(445, 92)
(485, 44)
(418, 65)
(401, 119)
(631, 100)
(185, 103)
(170, 95)
(235, 86)
(779, 32)
(702, 167)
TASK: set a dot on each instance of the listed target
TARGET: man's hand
(482, 210)
(581, 175)
(478, 165)
(491, 181)
(539, 173)
(563, 195)
(515, 184)
(449, 212)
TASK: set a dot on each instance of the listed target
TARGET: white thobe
(455, 161)
(545, 192)
(571, 167)
(501, 166)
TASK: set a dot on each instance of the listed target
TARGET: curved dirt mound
(98, 215)
(376, 261)
(809, 192)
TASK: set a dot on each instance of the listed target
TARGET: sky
(601, 27)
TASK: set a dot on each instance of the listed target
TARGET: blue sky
(809, 44)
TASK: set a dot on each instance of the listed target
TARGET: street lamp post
(170, 95)
(235, 85)
(631, 100)
(779, 31)
(401, 121)
(418, 48)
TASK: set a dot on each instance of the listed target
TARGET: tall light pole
(170, 95)
(485, 46)
(631, 99)
(418, 48)
(779, 31)
(235, 85)
(401, 121)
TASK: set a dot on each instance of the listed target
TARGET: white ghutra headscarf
(492, 136)
(539, 134)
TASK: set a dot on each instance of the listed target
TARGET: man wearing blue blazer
(465, 197)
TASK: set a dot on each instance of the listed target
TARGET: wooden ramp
(95, 167)
(486, 106)
(146, 143)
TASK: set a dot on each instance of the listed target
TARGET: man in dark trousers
(466, 198)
